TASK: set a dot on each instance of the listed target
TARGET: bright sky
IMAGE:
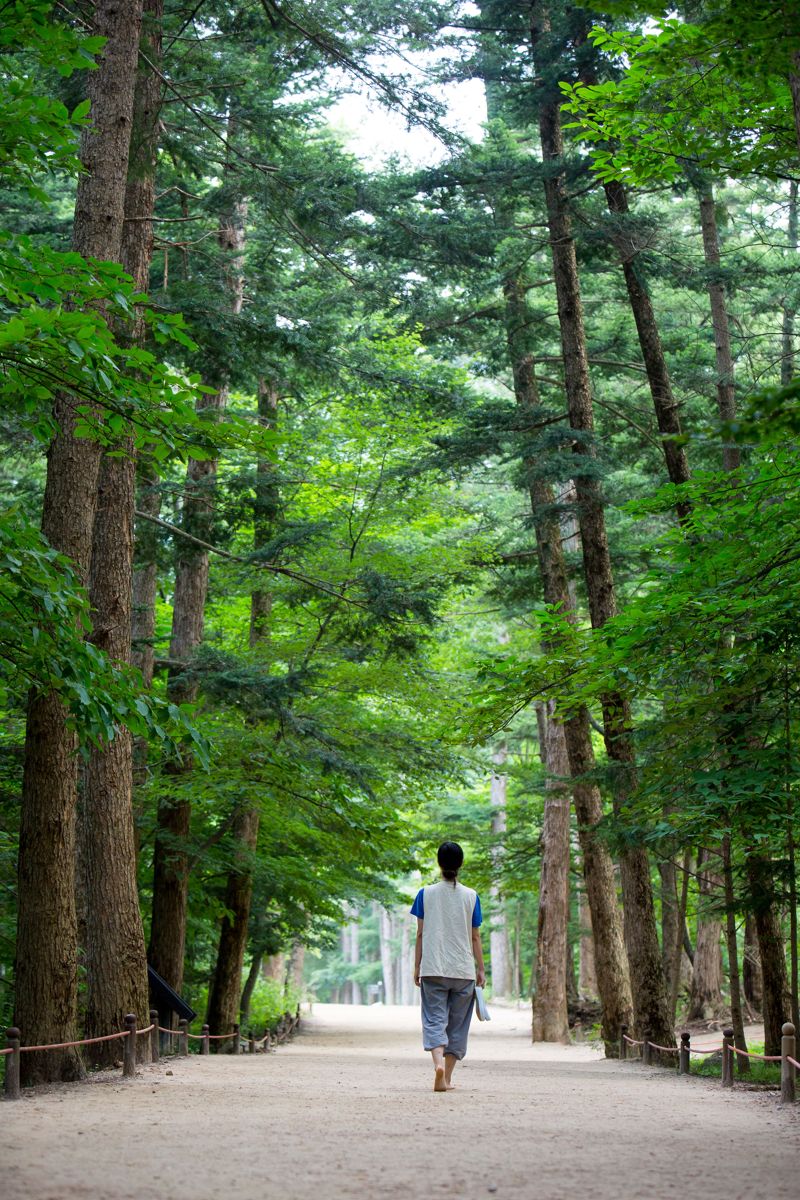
(376, 134)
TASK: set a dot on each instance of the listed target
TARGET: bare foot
(439, 1084)
(448, 1086)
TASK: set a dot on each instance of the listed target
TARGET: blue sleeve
(477, 915)
(418, 907)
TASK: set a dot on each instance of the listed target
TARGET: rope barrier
(10, 1050)
(149, 1029)
(793, 1061)
(713, 1050)
(665, 1049)
(216, 1037)
(172, 1032)
(109, 1037)
(752, 1054)
(631, 1041)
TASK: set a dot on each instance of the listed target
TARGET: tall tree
(46, 956)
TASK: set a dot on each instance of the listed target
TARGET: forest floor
(347, 1110)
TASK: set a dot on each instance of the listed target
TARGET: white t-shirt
(450, 912)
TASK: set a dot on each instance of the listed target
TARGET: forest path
(347, 1111)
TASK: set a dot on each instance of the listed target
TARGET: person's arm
(418, 951)
(477, 950)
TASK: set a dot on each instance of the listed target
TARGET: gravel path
(345, 1111)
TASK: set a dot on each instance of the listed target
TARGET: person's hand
(480, 978)
(416, 979)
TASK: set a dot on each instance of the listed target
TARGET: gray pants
(447, 1006)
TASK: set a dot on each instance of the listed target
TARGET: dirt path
(345, 1112)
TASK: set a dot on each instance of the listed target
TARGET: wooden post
(205, 1044)
(684, 1056)
(154, 1047)
(129, 1048)
(252, 1042)
(183, 1040)
(623, 1045)
(788, 1049)
(267, 1043)
(11, 1088)
(236, 1047)
(727, 1058)
(646, 1058)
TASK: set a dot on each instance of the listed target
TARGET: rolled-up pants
(447, 1006)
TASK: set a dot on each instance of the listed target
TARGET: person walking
(448, 962)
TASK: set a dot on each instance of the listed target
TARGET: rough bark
(115, 956)
(650, 1001)
(669, 916)
(776, 1004)
(223, 1000)
(46, 949)
(550, 1021)
(611, 963)
(498, 934)
(726, 395)
(794, 87)
(171, 864)
(734, 978)
(587, 975)
(751, 968)
(705, 999)
(787, 325)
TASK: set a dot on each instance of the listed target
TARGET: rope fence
(789, 1064)
(12, 1089)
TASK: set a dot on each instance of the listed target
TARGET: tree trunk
(171, 864)
(705, 1000)
(751, 968)
(669, 917)
(274, 967)
(787, 328)
(776, 1003)
(651, 1013)
(550, 1020)
(387, 964)
(737, 1019)
(46, 949)
(223, 1000)
(794, 87)
(587, 976)
(611, 963)
(664, 403)
(249, 988)
(406, 961)
(498, 934)
(115, 956)
(726, 396)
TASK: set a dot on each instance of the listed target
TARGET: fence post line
(252, 1042)
(727, 1058)
(11, 1088)
(204, 1045)
(183, 1040)
(129, 1048)
(236, 1046)
(646, 1059)
(623, 1045)
(684, 1055)
(154, 1049)
(788, 1049)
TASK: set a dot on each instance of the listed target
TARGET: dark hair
(450, 857)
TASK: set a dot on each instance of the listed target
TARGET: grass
(760, 1072)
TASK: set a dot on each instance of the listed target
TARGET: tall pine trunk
(498, 934)
(550, 1019)
(46, 949)
(239, 887)
(650, 1001)
(776, 1003)
(611, 964)
(115, 956)
(789, 303)
(726, 395)
(705, 999)
(171, 861)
